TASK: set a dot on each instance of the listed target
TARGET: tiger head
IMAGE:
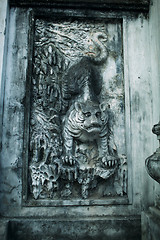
(88, 114)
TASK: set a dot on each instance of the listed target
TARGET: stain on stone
(136, 102)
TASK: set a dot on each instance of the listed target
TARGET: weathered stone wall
(138, 106)
(155, 65)
(3, 33)
(150, 220)
(141, 88)
(3, 13)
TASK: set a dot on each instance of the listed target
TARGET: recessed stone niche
(76, 115)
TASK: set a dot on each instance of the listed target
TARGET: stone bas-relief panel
(77, 120)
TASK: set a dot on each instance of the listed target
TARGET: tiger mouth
(94, 127)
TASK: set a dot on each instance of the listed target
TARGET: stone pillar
(151, 217)
(3, 30)
(3, 16)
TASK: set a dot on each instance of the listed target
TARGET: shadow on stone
(112, 229)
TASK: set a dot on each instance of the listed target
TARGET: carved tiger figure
(108, 147)
(86, 122)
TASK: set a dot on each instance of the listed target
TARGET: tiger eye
(87, 114)
(98, 114)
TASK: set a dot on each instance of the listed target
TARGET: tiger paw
(110, 161)
(68, 160)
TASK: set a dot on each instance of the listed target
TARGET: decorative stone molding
(75, 134)
(153, 162)
(135, 5)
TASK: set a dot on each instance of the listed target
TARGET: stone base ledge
(151, 224)
(86, 229)
(3, 229)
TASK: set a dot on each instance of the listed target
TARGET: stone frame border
(71, 14)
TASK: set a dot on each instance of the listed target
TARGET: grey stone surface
(3, 229)
(151, 217)
(151, 224)
(75, 115)
(112, 218)
(3, 18)
(155, 65)
(153, 162)
(117, 5)
(93, 229)
(12, 144)
(17, 74)
(3, 40)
